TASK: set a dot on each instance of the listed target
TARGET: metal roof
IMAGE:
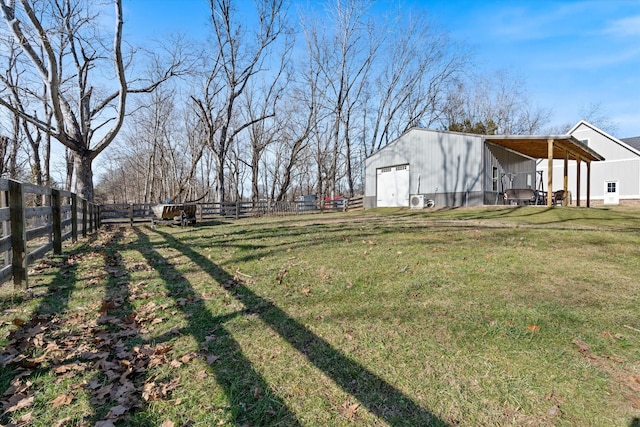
(537, 146)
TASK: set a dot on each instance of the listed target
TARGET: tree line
(274, 103)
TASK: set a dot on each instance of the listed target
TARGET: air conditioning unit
(416, 201)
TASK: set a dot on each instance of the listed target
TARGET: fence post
(200, 214)
(6, 225)
(98, 218)
(18, 234)
(84, 218)
(90, 217)
(237, 209)
(74, 217)
(56, 219)
(131, 214)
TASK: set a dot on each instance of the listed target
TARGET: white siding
(604, 144)
(622, 164)
(626, 172)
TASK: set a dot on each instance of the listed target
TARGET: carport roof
(537, 146)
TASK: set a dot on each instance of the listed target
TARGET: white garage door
(393, 186)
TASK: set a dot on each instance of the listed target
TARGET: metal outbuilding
(460, 169)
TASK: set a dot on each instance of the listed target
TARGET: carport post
(578, 179)
(565, 197)
(550, 172)
(588, 184)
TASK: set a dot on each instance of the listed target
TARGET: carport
(553, 147)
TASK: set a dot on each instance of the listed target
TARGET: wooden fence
(141, 212)
(36, 220)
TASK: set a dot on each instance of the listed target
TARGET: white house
(616, 180)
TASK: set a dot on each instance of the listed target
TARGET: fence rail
(142, 212)
(36, 220)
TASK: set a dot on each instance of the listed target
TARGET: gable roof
(635, 149)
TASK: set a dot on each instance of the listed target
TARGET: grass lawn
(492, 316)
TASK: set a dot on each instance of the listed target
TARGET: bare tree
(294, 137)
(261, 104)
(377, 79)
(418, 64)
(238, 56)
(9, 145)
(72, 54)
(343, 48)
(494, 103)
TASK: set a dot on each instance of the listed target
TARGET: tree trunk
(220, 180)
(13, 156)
(47, 160)
(69, 157)
(84, 174)
(255, 176)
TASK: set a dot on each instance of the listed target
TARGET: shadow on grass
(374, 393)
(233, 371)
(56, 297)
(54, 300)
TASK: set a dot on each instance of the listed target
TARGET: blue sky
(571, 54)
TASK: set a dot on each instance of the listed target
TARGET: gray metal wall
(454, 169)
(443, 165)
(514, 170)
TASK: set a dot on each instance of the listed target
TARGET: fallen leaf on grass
(533, 328)
(167, 423)
(582, 346)
(63, 399)
(24, 420)
(17, 387)
(106, 306)
(101, 394)
(117, 412)
(153, 391)
(17, 402)
(68, 368)
(349, 409)
(187, 357)
(163, 349)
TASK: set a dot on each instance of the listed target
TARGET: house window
(585, 142)
(494, 179)
(383, 170)
(402, 167)
(611, 187)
